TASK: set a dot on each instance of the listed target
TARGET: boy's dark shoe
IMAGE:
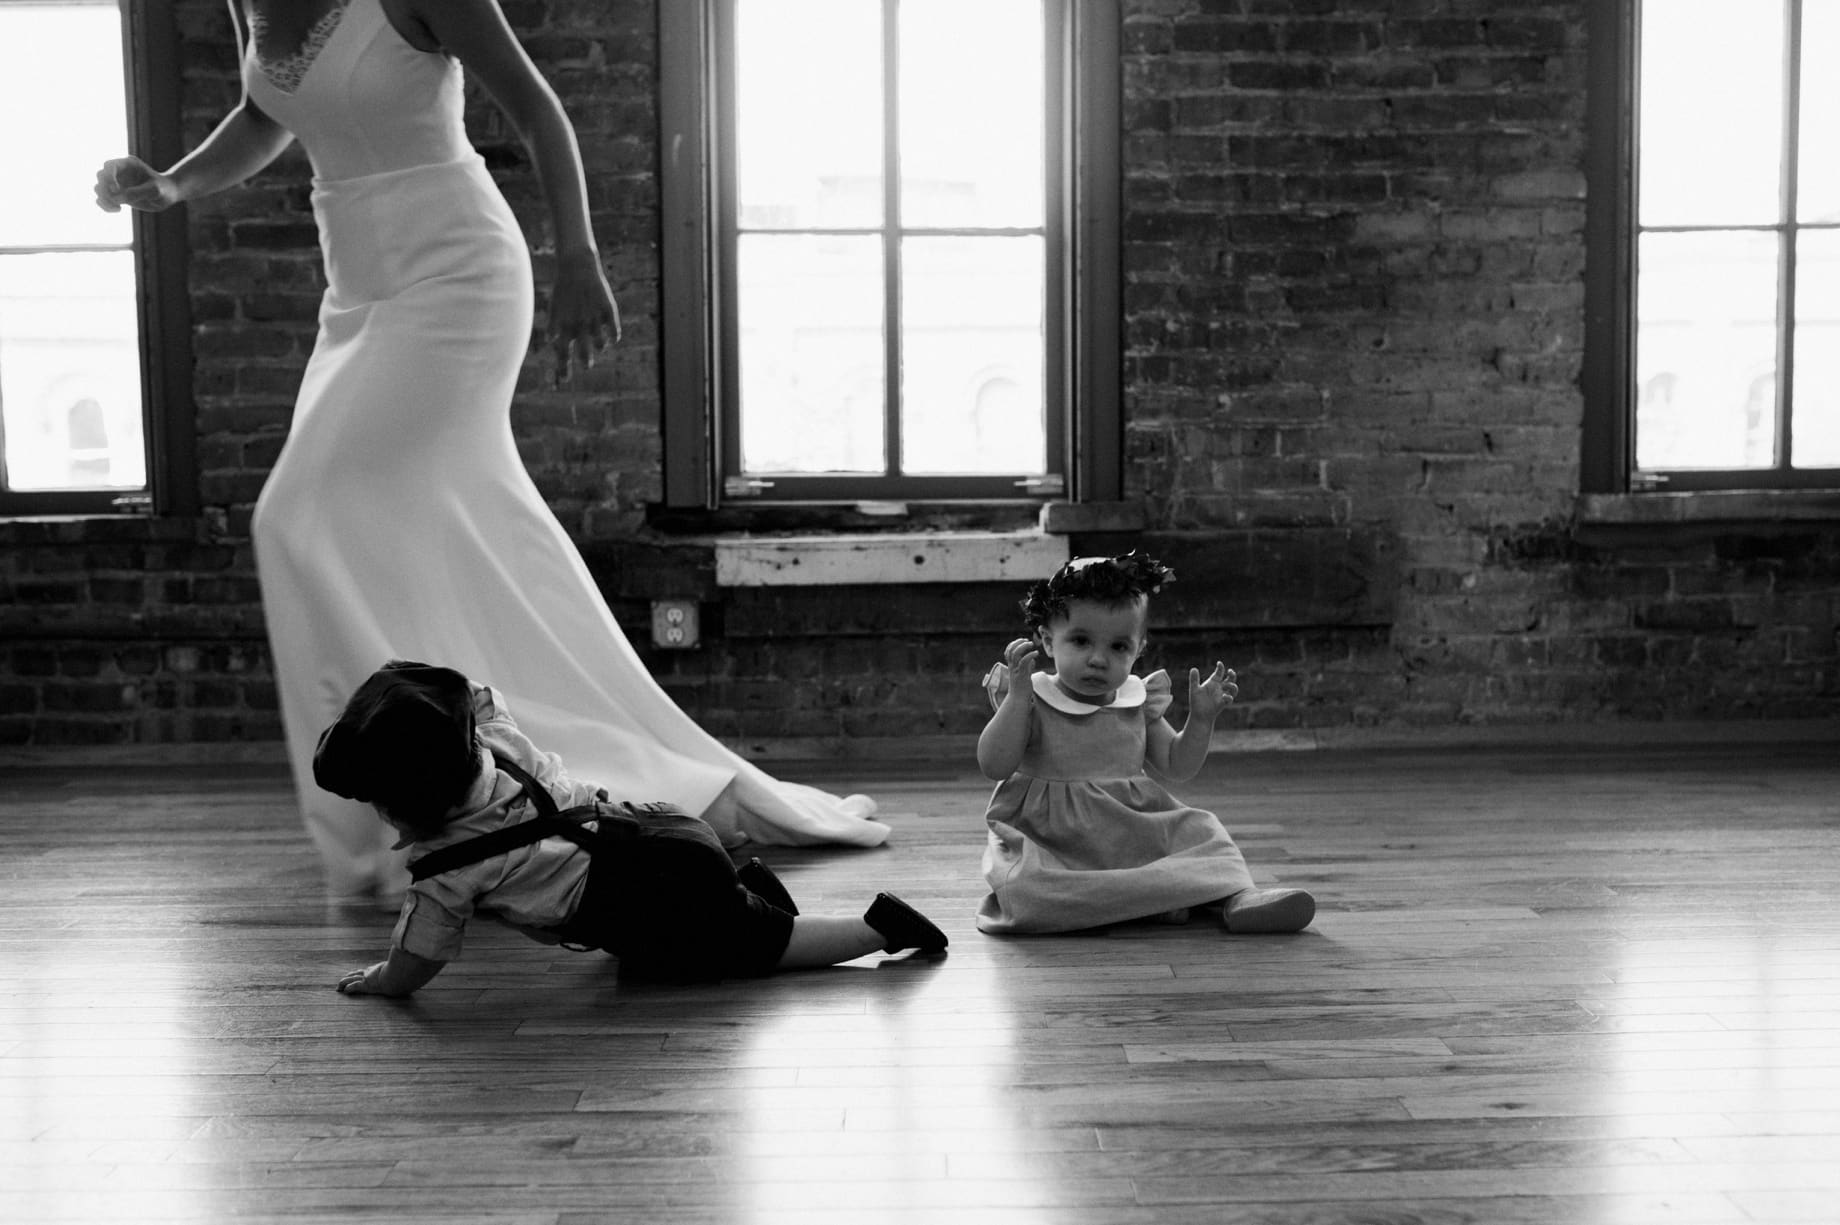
(761, 882)
(903, 926)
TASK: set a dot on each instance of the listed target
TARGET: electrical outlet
(674, 625)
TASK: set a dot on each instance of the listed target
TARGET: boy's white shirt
(533, 888)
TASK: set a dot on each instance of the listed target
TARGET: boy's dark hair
(404, 742)
(1106, 580)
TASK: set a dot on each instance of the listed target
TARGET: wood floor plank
(1543, 988)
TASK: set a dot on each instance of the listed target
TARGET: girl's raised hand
(1010, 679)
(1207, 698)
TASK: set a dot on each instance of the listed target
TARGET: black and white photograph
(920, 612)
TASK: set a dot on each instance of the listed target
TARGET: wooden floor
(1549, 986)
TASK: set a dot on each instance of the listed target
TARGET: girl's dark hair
(1107, 580)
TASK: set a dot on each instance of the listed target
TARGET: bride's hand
(131, 182)
(584, 319)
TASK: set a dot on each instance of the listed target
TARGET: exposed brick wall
(131, 631)
(1353, 304)
(1354, 296)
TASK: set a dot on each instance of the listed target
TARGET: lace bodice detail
(286, 73)
(361, 100)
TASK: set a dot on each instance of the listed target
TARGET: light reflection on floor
(120, 1080)
(911, 1087)
(1711, 1045)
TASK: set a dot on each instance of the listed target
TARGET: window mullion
(726, 445)
(1057, 226)
(1096, 300)
(891, 236)
(1785, 310)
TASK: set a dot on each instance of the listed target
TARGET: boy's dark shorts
(662, 895)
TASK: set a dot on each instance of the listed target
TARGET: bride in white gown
(399, 521)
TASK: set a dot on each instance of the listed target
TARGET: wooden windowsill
(836, 559)
(1707, 507)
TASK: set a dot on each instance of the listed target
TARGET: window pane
(808, 113)
(1817, 350)
(70, 387)
(61, 63)
(972, 356)
(1706, 350)
(1711, 113)
(971, 113)
(1818, 189)
(812, 367)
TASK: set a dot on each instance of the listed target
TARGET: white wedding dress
(399, 521)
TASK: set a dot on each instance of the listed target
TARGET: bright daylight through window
(890, 252)
(1737, 301)
(71, 415)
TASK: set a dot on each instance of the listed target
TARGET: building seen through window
(1737, 239)
(888, 238)
(71, 411)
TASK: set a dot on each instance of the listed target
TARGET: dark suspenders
(548, 823)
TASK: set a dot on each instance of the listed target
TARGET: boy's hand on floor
(402, 974)
(358, 981)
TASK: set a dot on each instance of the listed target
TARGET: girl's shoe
(762, 883)
(903, 926)
(1261, 912)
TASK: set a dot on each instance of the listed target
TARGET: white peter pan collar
(1131, 694)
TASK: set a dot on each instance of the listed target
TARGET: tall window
(83, 367)
(1727, 225)
(900, 201)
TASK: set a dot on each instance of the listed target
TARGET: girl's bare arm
(1000, 746)
(1006, 736)
(1179, 756)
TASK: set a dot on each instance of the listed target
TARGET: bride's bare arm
(582, 312)
(245, 142)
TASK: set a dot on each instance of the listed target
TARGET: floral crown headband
(1139, 570)
(1110, 579)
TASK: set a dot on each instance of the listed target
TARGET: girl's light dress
(1081, 835)
(399, 521)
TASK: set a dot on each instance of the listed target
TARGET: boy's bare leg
(825, 940)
